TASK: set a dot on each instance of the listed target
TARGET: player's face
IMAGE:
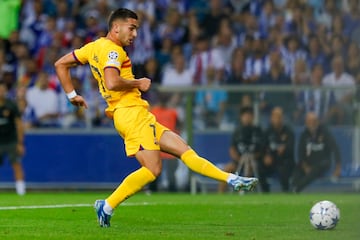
(126, 30)
(312, 122)
(276, 118)
(246, 119)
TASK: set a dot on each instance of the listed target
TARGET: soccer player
(144, 137)
(12, 138)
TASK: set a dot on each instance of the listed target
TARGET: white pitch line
(67, 206)
(44, 206)
(126, 204)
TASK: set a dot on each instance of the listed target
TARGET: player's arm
(115, 82)
(62, 67)
(288, 147)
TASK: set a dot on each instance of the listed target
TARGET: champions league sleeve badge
(113, 58)
(113, 55)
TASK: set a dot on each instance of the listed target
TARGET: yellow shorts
(139, 129)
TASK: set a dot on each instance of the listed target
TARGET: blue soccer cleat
(103, 218)
(244, 183)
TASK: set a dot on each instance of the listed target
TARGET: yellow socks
(203, 166)
(138, 179)
(131, 184)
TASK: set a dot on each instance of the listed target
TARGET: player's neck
(113, 39)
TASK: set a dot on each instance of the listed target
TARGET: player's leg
(230, 167)
(134, 182)
(299, 173)
(151, 168)
(19, 178)
(172, 143)
(17, 167)
(138, 134)
(315, 172)
(264, 172)
(285, 171)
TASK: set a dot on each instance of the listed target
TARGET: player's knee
(156, 170)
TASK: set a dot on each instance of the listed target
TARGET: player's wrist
(71, 94)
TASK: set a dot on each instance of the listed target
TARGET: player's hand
(144, 84)
(78, 101)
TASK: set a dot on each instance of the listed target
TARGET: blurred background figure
(211, 104)
(167, 116)
(269, 99)
(313, 99)
(257, 63)
(339, 109)
(205, 59)
(246, 148)
(12, 138)
(43, 102)
(10, 13)
(178, 73)
(279, 156)
(317, 152)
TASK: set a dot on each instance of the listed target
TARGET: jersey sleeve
(82, 54)
(115, 58)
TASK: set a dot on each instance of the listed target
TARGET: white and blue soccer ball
(324, 215)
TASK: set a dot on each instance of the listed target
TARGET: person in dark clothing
(246, 147)
(268, 99)
(279, 152)
(315, 150)
(11, 137)
(213, 17)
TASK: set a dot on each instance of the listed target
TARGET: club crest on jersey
(113, 59)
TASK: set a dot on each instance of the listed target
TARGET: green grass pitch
(177, 216)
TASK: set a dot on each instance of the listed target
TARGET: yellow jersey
(104, 53)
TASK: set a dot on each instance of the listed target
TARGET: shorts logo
(113, 55)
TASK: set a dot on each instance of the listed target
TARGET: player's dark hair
(121, 13)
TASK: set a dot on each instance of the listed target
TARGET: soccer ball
(324, 215)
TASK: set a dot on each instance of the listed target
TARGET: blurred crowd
(190, 43)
